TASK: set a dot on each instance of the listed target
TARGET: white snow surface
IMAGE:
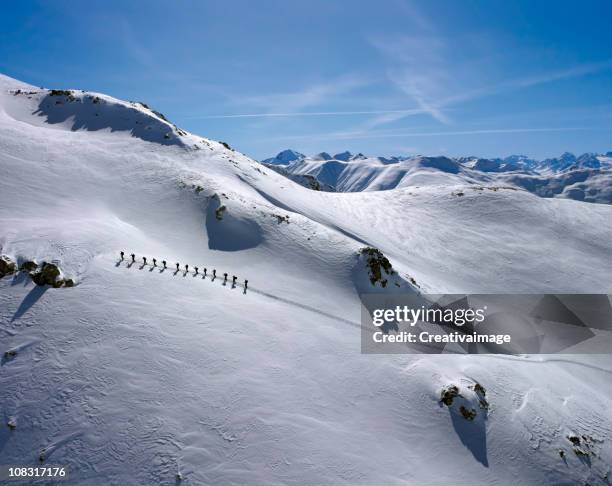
(136, 375)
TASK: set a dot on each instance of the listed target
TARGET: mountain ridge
(587, 177)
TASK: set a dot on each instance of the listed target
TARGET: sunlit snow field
(137, 375)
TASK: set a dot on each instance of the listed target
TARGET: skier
(186, 268)
(177, 267)
(225, 277)
(122, 256)
(196, 270)
(144, 259)
(133, 258)
(164, 263)
(154, 262)
(246, 283)
(214, 273)
(234, 281)
(205, 271)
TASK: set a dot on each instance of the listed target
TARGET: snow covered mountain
(586, 178)
(143, 375)
(285, 157)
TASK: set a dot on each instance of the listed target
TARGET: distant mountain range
(587, 177)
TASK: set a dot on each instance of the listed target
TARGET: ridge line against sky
(511, 76)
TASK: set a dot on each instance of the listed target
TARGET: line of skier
(204, 272)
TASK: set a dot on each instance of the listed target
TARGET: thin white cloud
(572, 72)
(529, 81)
(418, 68)
(297, 101)
(489, 131)
(386, 118)
(397, 114)
(423, 64)
(414, 15)
(407, 83)
(432, 109)
(380, 134)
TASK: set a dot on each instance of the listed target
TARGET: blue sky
(461, 77)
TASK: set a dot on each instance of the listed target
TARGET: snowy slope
(590, 185)
(136, 375)
(585, 178)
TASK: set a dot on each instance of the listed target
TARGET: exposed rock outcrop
(45, 274)
(48, 275)
(378, 264)
(28, 266)
(469, 401)
(7, 266)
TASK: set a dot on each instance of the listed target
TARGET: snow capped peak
(285, 157)
(346, 172)
(440, 163)
(322, 156)
(7, 83)
(568, 161)
(79, 110)
(344, 156)
(289, 155)
(389, 160)
(515, 159)
(567, 157)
